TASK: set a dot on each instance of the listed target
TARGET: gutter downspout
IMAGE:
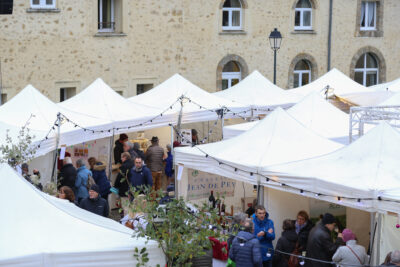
(330, 34)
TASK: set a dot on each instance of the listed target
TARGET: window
(67, 92)
(368, 16)
(303, 15)
(231, 74)
(366, 71)
(142, 88)
(43, 4)
(302, 73)
(232, 15)
(106, 21)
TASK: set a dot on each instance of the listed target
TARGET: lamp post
(275, 39)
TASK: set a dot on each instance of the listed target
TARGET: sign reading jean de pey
(201, 183)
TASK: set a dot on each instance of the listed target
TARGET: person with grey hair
(394, 258)
(81, 181)
(128, 147)
(237, 223)
(136, 148)
(67, 175)
(245, 250)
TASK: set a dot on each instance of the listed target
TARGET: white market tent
(258, 92)
(38, 230)
(99, 100)
(313, 112)
(365, 169)
(337, 82)
(393, 86)
(197, 105)
(276, 139)
(367, 98)
(394, 100)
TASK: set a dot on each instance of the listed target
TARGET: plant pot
(203, 261)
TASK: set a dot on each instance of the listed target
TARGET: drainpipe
(330, 34)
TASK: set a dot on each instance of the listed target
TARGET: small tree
(181, 233)
(21, 151)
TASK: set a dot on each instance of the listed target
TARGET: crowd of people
(301, 243)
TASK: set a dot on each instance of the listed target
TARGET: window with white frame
(106, 22)
(303, 15)
(368, 16)
(232, 15)
(43, 4)
(366, 71)
(302, 73)
(231, 74)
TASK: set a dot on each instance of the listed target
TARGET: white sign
(200, 185)
(187, 137)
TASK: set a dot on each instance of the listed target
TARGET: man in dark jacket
(95, 203)
(286, 243)
(154, 160)
(119, 147)
(121, 182)
(245, 250)
(67, 175)
(320, 244)
(136, 149)
(140, 175)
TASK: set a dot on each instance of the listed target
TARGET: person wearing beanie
(119, 148)
(320, 245)
(95, 203)
(352, 254)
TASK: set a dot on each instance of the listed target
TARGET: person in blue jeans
(265, 233)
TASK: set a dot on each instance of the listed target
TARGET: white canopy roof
(313, 112)
(339, 84)
(393, 86)
(367, 168)
(38, 230)
(276, 139)
(199, 105)
(259, 92)
(394, 100)
(367, 98)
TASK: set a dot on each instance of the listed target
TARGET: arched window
(302, 73)
(231, 74)
(232, 15)
(303, 15)
(366, 71)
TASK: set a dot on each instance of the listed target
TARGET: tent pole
(378, 239)
(110, 157)
(54, 172)
(178, 125)
(222, 125)
(260, 192)
(372, 236)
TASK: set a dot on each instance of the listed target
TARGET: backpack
(293, 260)
(90, 182)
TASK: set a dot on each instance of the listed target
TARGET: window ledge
(110, 34)
(233, 32)
(303, 32)
(43, 10)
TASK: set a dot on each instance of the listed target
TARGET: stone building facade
(61, 46)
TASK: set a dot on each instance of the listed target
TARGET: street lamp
(275, 39)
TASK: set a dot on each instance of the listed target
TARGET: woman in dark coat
(286, 243)
(100, 177)
(303, 227)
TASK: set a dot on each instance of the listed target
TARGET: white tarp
(338, 84)
(276, 139)
(313, 112)
(367, 168)
(393, 86)
(367, 98)
(394, 100)
(258, 92)
(38, 230)
(198, 104)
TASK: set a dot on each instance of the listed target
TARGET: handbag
(293, 260)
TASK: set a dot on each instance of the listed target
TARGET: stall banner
(200, 185)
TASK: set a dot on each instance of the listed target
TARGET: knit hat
(328, 219)
(348, 235)
(95, 187)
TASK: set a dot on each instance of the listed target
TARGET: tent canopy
(276, 139)
(393, 86)
(198, 105)
(59, 233)
(367, 168)
(258, 91)
(314, 113)
(367, 98)
(334, 80)
(394, 100)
